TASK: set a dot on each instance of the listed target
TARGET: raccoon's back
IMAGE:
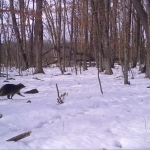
(8, 89)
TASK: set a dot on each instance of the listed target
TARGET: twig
(59, 100)
(20, 136)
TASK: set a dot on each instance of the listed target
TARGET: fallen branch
(38, 79)
(20, 136)
(63, 74)
(33, 91)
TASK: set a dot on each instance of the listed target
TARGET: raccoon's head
(21, 86)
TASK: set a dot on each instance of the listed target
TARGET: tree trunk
(1, 18)
(0, 54)
(148, 43)
(64, 37)
(85, 13)
(72, 32)
(141, 13)
(58, 38)
(38, 37)
(137, 41)
(17, 34)
(97, 33)
(22, 21)
(126, 33)
(108, 69)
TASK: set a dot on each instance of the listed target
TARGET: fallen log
(33, 91)
(20, 136)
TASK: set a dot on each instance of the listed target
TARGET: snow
(119, 118)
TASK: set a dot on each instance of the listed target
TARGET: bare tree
(108, 69)
(141, 13)
(144, 17)
(38, 37)
(85, 13)
(64, 36)
(17, 33)
(126, 38)
(1, 17)
(59, 22)
(72, 32)
(148, 43)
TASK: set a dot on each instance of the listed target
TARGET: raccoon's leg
(8, 96)
(20, 94)
(12, 95)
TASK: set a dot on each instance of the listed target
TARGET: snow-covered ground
(117, 119)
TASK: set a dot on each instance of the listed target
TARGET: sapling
(61, 97)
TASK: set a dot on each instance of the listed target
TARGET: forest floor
(117, 119)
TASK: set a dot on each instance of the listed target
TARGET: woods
(75, 33)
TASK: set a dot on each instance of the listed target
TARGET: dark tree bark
(59, 38)
(145, 19)
(22, 20)
(85, 4)
(0, 54)
(64, 37)
(38, 37)
(141, 13)
(1, 17)
(148, 43)
(108, 69)
(137, 41)
(17, 34)
(114, 32)
(126, 38)
(71, 38)
(31, 37)
(97, 9)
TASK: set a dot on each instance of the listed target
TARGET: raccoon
(11, 89)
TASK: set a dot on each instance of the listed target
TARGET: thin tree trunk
(137, 39)
(72, 32)
(0, 53)
(59, 37)
(141, 13)
(64, 37)
(108, 69)
(85, 4)
(126, 27)
(22, 20)
(148, 43)
(1, 20)
(38, 37)
(31, 37)
(114, 32)
(15, 27)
